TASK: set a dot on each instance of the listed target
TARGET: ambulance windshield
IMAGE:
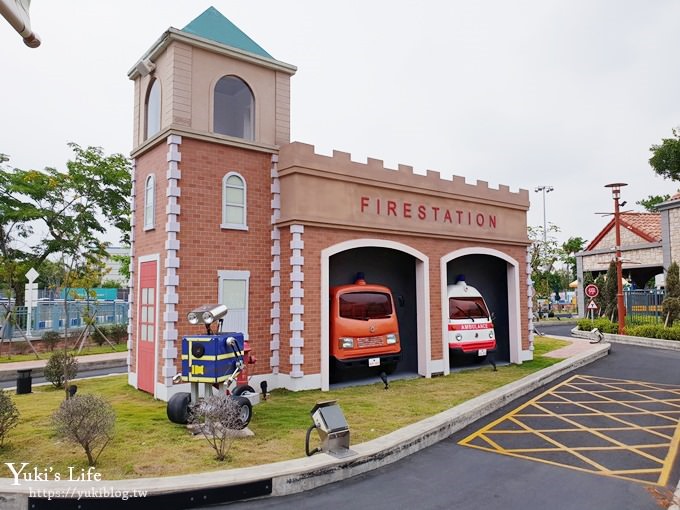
(365, 305)
(467, 308)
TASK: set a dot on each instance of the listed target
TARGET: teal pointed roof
(214, 26)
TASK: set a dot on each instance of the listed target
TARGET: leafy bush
(655, 331)
(86, 420)
(9, 415)
(97, 336)
(601, 323)
(60, 367)
(51, 339)
(119, 333)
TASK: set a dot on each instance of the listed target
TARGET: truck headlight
(391, 338)
(347, 342)
(459, 337)
(491, 334)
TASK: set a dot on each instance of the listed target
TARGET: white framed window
(150, 202)
(233, 293)
(153, 109)
(234, 202)
(233, 108)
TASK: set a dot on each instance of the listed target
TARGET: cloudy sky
(569, 93)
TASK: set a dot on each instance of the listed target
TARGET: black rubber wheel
(239, 390)
(245, 412)
(178, 408)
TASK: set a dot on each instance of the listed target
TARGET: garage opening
(487, 274)
(395, 270)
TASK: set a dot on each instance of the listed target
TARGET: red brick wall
(205, 248)
(149, 242)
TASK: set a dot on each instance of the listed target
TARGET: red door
(146, 326)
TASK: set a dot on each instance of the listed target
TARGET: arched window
(149, 202)
(234, 202)
(153, 109)
(234, 108)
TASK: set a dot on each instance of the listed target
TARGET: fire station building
(227, 210)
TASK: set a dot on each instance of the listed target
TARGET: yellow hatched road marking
(609, 388)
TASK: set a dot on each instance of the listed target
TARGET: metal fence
(644, 306)
(50, 315)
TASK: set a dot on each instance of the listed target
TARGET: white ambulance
(470, 327)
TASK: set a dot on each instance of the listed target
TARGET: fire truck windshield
(365, 305)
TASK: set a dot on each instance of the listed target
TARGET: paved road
(555, 328)
(449, 475)
(82, 374)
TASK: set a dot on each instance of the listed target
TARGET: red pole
(620, 308)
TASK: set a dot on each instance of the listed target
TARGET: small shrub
(217, 416)
(60, 367)
(601, 323)
(119, 333)
(98, 333)
(51, 339)
(9, 415)
(86, 420)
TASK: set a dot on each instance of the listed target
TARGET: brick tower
(211, 110)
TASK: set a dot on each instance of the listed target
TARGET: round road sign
(592, 291)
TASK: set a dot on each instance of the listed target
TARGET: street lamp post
(620, 308)
(545, 189)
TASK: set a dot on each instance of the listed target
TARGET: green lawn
(147, 444)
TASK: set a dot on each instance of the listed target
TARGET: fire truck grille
(371, 341)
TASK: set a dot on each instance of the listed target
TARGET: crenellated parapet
(301, 157)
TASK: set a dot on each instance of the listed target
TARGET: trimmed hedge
(655, 331)
(601, 323)
(645, 330)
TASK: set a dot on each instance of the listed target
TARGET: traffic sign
(592, 291)
(592, 305)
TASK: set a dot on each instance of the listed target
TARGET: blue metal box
(209, 358)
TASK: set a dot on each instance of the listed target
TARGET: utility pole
(620, 308)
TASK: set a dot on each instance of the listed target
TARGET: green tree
(671, 301)
(545, 251)
(609, 293)
(601, 299)
(665, 160)
(652, 201)
(570, 247)
(49, 212)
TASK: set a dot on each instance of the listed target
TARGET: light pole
(544, 189)
(620, 309)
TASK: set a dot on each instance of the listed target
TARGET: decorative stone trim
(172, 261)
(297, 277)
(131, 282)
(275, 327)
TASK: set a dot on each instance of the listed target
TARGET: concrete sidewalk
(8, 371)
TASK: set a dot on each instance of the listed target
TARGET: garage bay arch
(422, 285)
(512, 284)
